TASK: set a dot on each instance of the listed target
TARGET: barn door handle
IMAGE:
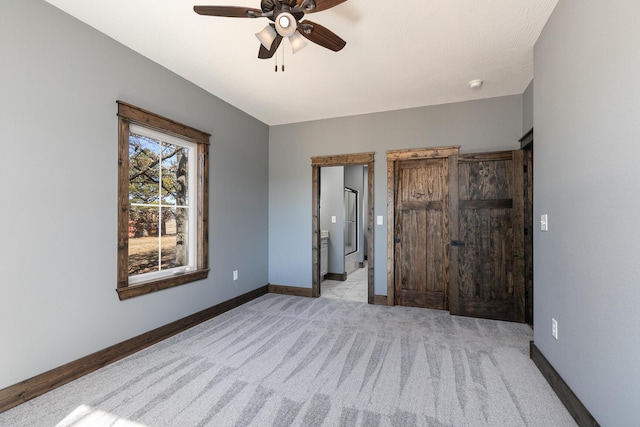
(456, 243)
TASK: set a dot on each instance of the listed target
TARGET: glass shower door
(351, 221)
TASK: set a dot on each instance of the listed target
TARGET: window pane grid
(149, 205)
(159, 181)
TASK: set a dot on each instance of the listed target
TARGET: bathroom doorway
(364, 241)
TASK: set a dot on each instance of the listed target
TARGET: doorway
(317, 163)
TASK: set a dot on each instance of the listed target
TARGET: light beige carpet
(282, 360)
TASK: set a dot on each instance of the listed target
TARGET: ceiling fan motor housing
(269, 5)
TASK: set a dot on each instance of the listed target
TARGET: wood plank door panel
(421, 233)
(490, 248)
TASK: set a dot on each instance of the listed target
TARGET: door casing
(341, 160)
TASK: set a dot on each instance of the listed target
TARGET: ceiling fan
(286, 17)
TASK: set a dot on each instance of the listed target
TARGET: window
(163, 203)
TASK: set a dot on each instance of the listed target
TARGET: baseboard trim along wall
(290, 290)
(29, 389)
(335, 276)
(307, 292)
(380, 300)
(568, 398)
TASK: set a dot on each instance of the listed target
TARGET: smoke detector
(475, 84)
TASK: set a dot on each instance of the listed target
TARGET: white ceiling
(399, 54)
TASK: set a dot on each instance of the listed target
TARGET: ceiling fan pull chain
(283, 58)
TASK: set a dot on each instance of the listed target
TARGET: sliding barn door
(421, 233)
(488, 253)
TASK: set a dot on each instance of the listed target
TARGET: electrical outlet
(554, 328)
(235, 274)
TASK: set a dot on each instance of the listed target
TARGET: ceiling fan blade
(325, 4)
(228, 11)
(321, 35)
(265, 53)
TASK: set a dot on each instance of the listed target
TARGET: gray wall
(60, 80)
(587, 179)
(486, 125)
(332, 204)
(527, 109)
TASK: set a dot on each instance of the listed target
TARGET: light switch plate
(380, 220)
(544, 222)
(334, 220)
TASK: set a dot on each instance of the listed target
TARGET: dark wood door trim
(454, 232)
(422, 153)
(526, 142)
(518, 236)
(317, 162)
(393, 157)
(528, 230)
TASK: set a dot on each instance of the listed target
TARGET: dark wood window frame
(128, 114)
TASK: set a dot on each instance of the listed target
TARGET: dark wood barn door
(421, 233)
(487, 256)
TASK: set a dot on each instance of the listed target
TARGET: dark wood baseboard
(291, 290)
(568, 398)
(28, 389)
(335, 276)
(379, 300)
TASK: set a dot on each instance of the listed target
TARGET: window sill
(158, 285)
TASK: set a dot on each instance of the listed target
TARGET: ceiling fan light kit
(285, 16)
(267, 36)
(297, 42)
(286, 24)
